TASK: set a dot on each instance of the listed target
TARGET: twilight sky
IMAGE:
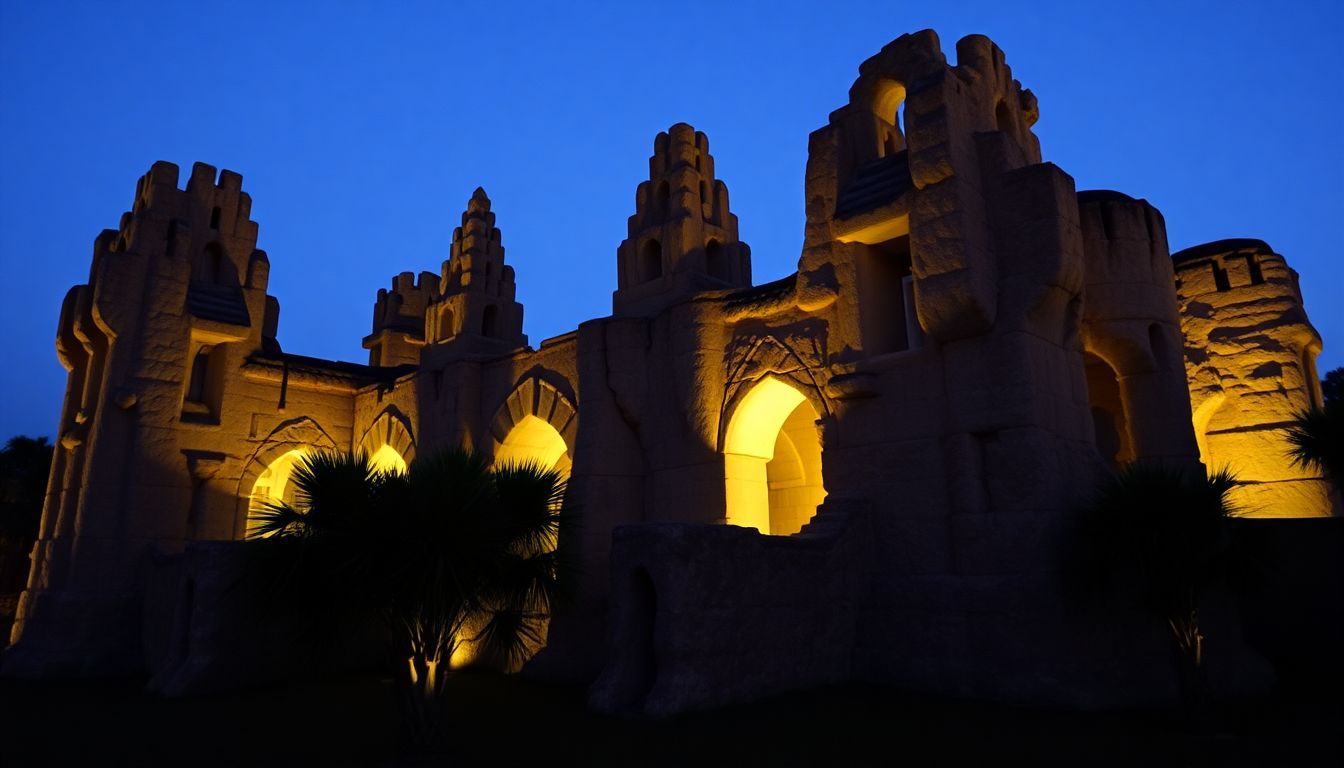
(361, 129)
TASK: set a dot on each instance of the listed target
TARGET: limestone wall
(1250, 358)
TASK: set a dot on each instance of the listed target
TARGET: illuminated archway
(387, 459)
(530, 440)
(772, 460)
(273, 484)
(534, 440)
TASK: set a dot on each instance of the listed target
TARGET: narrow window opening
(1109, 419)
(489, 320)
(716, 262)
(214, 218)
(210, 269)
(662, 198)
(651, 261)
(1220, 277)
(885, 318)
(1257, 277)
(200, 376)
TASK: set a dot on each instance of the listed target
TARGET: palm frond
(1316, 441)
(276, 518)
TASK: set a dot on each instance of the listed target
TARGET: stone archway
(389, 442)
(272, 459)
(772, 459)
(535, 422)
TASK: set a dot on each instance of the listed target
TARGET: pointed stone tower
(475, 309)
(682, 238)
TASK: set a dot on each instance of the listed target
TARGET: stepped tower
(682, 238)
(476, 309)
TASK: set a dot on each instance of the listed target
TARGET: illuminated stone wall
(911, 417)
(1250, 357)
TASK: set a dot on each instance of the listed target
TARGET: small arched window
(489, 320)
(210, 269)
(662, 198)
(200, 376)
(651, 261)
(716, 262)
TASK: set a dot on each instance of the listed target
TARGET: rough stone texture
(967, 344)
(1250, 358)
(705, 615)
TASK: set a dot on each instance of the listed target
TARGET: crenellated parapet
(476, 307)
(1250, 358)
(682, 237)
(399, 319)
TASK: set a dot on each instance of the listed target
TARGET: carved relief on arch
(391, 429)
(795, 361)
(534, 396)
(295, 434)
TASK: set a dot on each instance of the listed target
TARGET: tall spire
(682, 238)
(476, 288)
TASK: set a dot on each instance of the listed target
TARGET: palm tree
(25, 463)
(1158, 534)
(1316, 441)
(451, 552)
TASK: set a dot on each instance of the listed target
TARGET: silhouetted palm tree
(1316, 438)
(25, 463)
(1158, 535)
(452, 551)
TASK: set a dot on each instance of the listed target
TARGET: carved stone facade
(906, 422)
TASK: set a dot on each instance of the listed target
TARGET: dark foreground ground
(509, 721)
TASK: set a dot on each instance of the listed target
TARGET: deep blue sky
(361, 129)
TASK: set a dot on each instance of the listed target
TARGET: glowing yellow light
(463, 654)
(772, 460)
(273, 484)
(387, 460)
(534, 440)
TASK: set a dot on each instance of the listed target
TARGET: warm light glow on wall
(387, 460)
(772, 460)
(273, 484)
(535, 440)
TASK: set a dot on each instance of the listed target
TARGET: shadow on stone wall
(707, 615)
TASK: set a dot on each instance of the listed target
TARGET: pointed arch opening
(534, 440)
(772, 460)
(1109, 418)
(273, 484)
(386, 459)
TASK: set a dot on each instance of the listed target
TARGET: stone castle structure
(863, 470)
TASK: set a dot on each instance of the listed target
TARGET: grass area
(510, 721)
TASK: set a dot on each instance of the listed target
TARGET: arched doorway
(273, 484)
(772, 460)
(534, 440)
(1109, 418)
